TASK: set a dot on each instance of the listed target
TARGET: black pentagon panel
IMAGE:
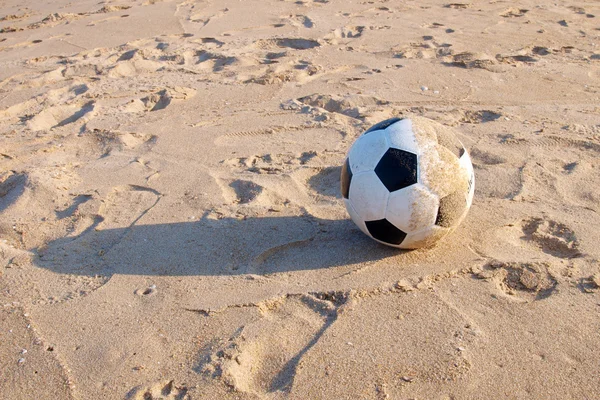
(385, 231)
(397, 169)
(383, 124)
(346, 178)
(449, 141)
(451, 209)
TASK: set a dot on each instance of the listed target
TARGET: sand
(171, 225)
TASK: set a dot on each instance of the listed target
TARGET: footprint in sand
(520, 58)
(351, 106)
(534, 237)
(298, 20)
(204, 19)
(83, 70)
(528, 281)
(299, 71)
(292, 43)
(158, 100)
(108, 141)
(362, 338)
(167, 390)
(558, 169)
(294, 136)
(458, 6)
(308, 3)
(259, 132)
(479, 116)
(271, 163)
(346, 32)
(56, 19)
(215, 61)
(497, 177)
(577, 183)
(128, 68)
(14, 17)
(542, 239)
(254, 360)
(590, 284)
(428, 49)
(469, 60)
(551, 237)
(551, 142)
(54, 108)
(270, 183)
(10, 29)
(514, 12)
(258, 195)
(59, 116)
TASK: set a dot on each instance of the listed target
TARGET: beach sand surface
(171, 225)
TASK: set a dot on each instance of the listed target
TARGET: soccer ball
(407, 182)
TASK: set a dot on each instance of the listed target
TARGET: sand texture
(171, 225)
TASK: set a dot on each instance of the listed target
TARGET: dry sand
(170, 219)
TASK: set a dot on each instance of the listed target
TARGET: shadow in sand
(12, 186)
(225, 246)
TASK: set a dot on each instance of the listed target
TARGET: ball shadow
(211, 247)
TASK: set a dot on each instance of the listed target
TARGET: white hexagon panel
(366, 152)
(412, 208)
(401, 136)
(368, 196)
